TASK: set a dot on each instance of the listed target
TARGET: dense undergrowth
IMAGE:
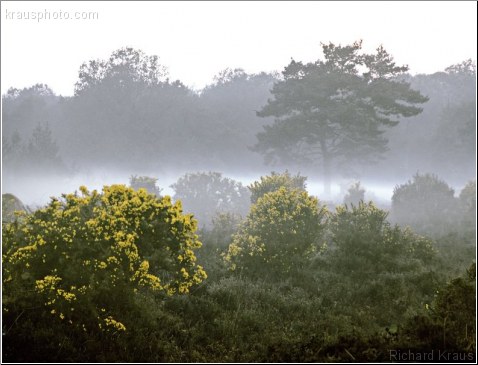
(118, 276)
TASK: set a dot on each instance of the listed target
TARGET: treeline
(127, 115)
(122, 119)
(120, 275)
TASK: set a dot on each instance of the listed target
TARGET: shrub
(355, 194)
(275, 181)
(456, 250)
(145, 182)
(206, 194)
(377, 269)
(283, 229)
(10, 205)
(364, 232)
(426, 203)
(455, 310)
(467, 201)
(224, 225)
(449, 322)
(83, 259)
(215, 241)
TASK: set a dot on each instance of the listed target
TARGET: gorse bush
(83, 259)
(282, 230)
(96, 277)
(375, 268)
(426, 204)
(365, 231)
(273, 182)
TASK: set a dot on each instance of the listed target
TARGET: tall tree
(126, 113)
(430, 141)
(42, 151)
(124, 67)
(334, 112)
(229, 121)
(23, 109)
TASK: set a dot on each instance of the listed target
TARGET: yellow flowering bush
(85, 257)
(274, 181)
(282, 230)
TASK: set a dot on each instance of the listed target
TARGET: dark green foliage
(375, 268)
(456, 250)
(215, 241)
(334, 112)
(364, 230)
(145, 182)
(274, 181)
(455, 310)
(450, 321)
(425, 203)
(353, 301)
(206, 194)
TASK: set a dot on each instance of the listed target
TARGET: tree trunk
(326, 168)
(327, 180)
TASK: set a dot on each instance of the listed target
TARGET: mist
(36, 190)
(104, 135)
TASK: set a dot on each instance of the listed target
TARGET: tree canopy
(207, 193)
(125, 65)
(334, 112)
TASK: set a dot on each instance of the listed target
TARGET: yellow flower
(110, 322)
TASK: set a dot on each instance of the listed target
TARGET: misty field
(183, 263)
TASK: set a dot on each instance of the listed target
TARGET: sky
(196, 40)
